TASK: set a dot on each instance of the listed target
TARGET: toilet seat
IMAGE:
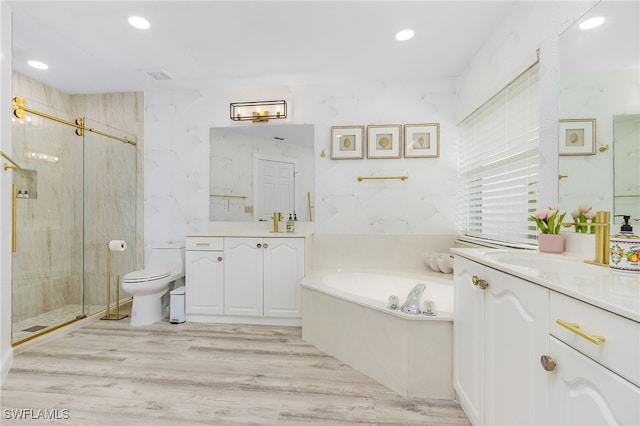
(145, 275)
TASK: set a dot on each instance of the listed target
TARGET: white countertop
(614, 291)
(254, 229)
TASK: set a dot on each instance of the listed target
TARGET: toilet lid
(150, 274)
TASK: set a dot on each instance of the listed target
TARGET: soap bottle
(624, 249)
(290, 224)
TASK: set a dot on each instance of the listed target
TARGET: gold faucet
(277, 217)
(601, 223)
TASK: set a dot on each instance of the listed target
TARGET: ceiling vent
(159, 75)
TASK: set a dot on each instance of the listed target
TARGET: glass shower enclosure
(74, 191)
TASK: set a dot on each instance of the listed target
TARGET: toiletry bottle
(290, 224)
(624, 249)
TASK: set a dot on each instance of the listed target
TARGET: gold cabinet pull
(203, 244)
(547, 363)
(598, 340)
(483, 284)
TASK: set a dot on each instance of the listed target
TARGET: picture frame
(347, 142)
(384, 141)
(422, 140)
(577, 136)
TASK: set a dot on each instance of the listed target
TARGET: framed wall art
(384, 141)
(347, 142)
(422, 140)
(577, 137)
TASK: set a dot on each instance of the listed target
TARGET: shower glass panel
(47, 264)
(109, 212)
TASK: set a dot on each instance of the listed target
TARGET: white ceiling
(90, 47)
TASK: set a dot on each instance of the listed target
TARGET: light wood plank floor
(108, 373)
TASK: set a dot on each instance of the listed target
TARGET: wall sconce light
(259, 111)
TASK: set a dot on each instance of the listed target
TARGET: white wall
(176, 160)
(177, 166)
(531, 27)
(5, 186)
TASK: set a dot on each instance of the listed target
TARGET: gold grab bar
(20, 109)
(228, 196)
(627, 196)
(598, 340)
(309, 206)
(361, 178)
(9, 159)
(14, 202)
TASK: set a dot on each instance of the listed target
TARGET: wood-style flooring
(108, 373)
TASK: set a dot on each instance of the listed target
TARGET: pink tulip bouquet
(548, 221)
(582, 217)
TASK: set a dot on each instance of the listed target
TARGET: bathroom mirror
(599, 79)
(626, 158)
(256, 170)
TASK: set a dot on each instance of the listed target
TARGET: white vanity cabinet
(595, 371)
(500, 331)
(263, 276)
(204, 272)
(525, 352)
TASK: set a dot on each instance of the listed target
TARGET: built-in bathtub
(346, 314)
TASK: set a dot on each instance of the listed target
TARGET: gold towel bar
(228, 196)
(402, 178)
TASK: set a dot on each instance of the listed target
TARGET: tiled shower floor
(32, 326)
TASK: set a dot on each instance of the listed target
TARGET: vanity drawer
(204, 243)
(621, 345)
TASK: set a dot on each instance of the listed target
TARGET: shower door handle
(14, 202)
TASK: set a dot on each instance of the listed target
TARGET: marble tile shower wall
(177, 161)
(49, 278)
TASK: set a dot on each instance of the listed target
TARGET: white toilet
(149, 285)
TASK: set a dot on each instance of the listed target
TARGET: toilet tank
(168, 254)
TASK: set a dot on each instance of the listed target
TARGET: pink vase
(551, 243)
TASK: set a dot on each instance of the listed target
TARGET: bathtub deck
(108, 373)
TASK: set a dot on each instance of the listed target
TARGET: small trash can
(177, 306)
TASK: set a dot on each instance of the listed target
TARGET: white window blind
(499, 165)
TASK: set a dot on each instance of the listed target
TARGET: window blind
(499, 165)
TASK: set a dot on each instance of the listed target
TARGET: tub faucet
(412, 304)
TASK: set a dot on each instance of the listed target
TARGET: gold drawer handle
(203, 244)
(598, 340)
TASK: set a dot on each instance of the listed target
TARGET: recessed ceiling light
(404, 35)
(591, 23)
(39, 65)
(139, 22)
